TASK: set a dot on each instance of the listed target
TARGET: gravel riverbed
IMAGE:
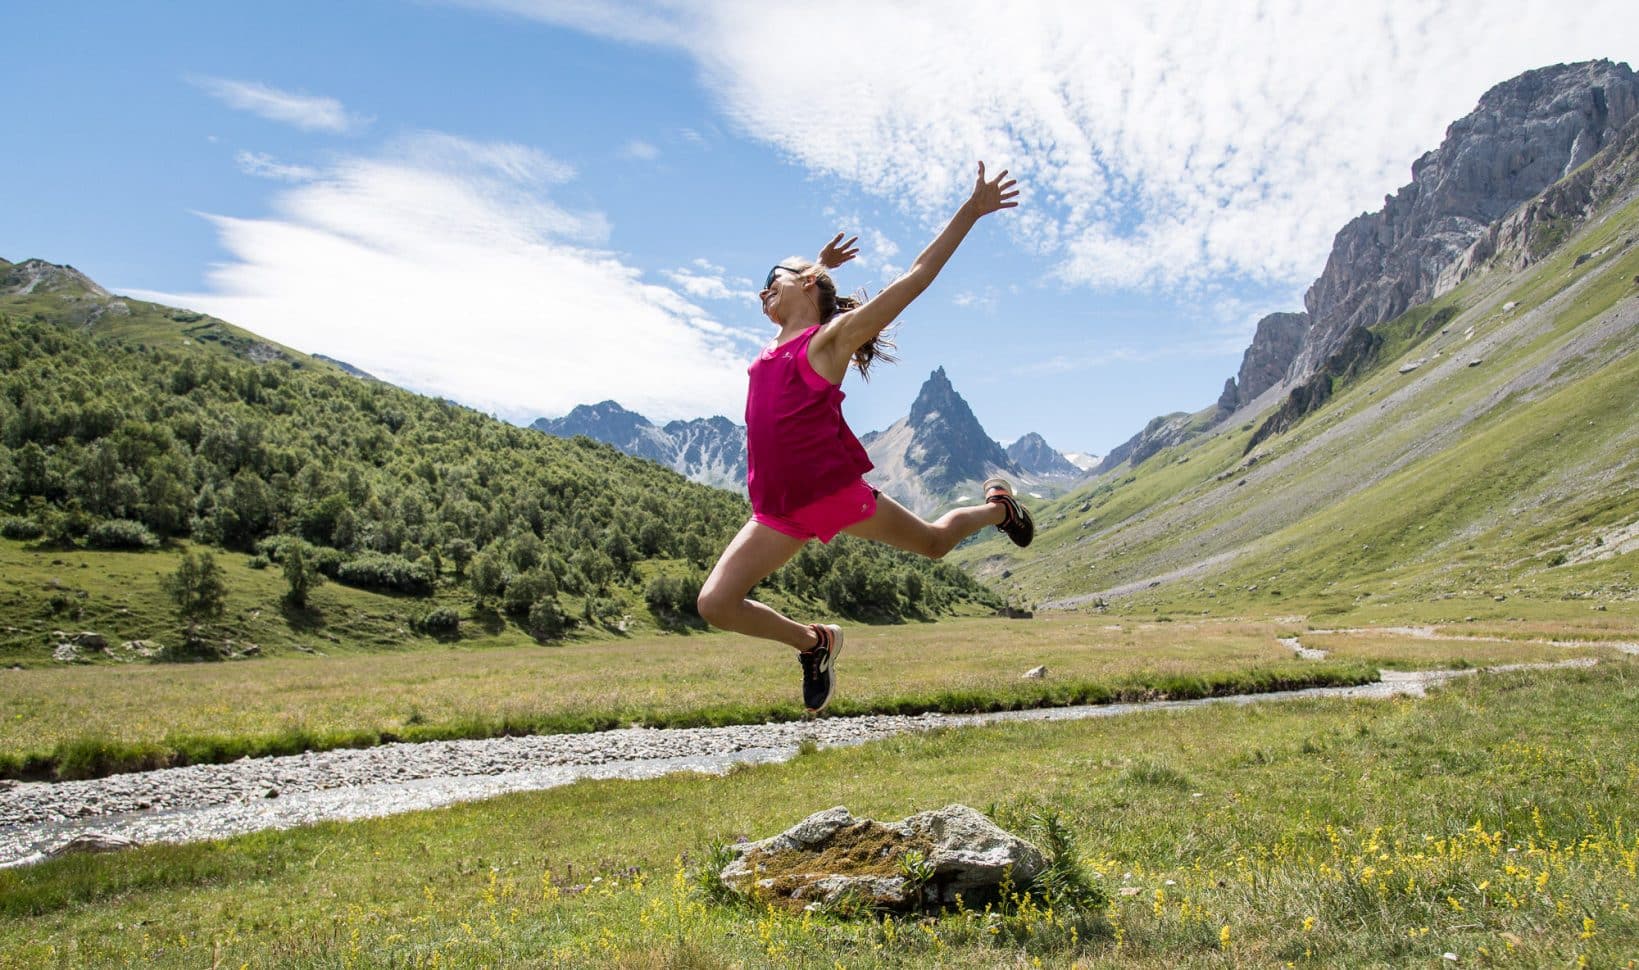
(215, 801)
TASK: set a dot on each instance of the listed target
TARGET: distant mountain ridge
(708, 450)
(923, 460)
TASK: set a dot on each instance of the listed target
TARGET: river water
(215, 801)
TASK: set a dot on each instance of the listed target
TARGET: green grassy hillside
(1486, 460)
(129, 437)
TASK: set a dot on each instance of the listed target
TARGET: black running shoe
(819, 676)
(1018, 525)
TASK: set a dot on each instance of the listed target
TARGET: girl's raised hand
(834, 255)
(998, 193)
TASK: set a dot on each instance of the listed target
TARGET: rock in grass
(832, 858)
(1035, 673)
(142, 648)
(92, 842)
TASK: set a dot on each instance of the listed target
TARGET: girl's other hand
(834, 255)
(998, 193)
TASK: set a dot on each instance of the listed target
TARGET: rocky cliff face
(1524, 135)
(1533, 230)
(708, 450)
(1275, 344)
(1162, 432)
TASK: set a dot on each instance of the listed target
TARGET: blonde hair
(831, 303)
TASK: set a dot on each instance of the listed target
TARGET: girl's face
(785, 286)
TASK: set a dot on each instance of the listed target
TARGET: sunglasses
(769, 283)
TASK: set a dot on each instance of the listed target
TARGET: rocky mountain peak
(948, 443)
(1525, 134)
(938, 396)
(1035, 456)
(39, 276)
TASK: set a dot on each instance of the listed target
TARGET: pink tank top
(798, 447)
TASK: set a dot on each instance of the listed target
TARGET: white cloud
(640, 150)
(263, 165)
(304, 111)
(442, 265)
(710, 285)
(1163, 143)
(880, 245)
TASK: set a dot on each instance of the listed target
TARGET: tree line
(107, 444)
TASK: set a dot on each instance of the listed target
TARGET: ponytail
(879, 347)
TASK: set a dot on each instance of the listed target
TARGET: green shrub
(547, 620)
(19, 527)
(673, 599)
(527, 589)
(121, 534)
(375, 570)
(440, 621)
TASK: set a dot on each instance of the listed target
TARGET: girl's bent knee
(713, 607)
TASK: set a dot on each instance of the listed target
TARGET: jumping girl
(804, 464)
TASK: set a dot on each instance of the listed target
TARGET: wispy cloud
(309, 112)
(639, 150)
(444, 265)
(1157, 145)
(263, 165)
(709, 282)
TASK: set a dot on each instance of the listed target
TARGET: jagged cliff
(1525, 134)
(1276, 343)
(1462, 206)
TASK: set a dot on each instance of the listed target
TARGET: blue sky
(524, 205)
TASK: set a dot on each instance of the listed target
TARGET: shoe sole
(836, 651)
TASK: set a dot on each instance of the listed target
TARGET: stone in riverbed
(832, 856)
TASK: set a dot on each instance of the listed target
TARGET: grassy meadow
(1493, 821)
(91, 719)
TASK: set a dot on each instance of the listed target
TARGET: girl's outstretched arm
(849, 331)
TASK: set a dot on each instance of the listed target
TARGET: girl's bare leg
(753, 554)
(900, 527)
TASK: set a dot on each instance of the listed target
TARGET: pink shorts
(823, 518)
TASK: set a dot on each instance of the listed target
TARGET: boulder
(87, 842)
(90, 640)
(142, 648)
(927, 859)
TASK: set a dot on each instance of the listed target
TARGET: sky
(525, 205)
